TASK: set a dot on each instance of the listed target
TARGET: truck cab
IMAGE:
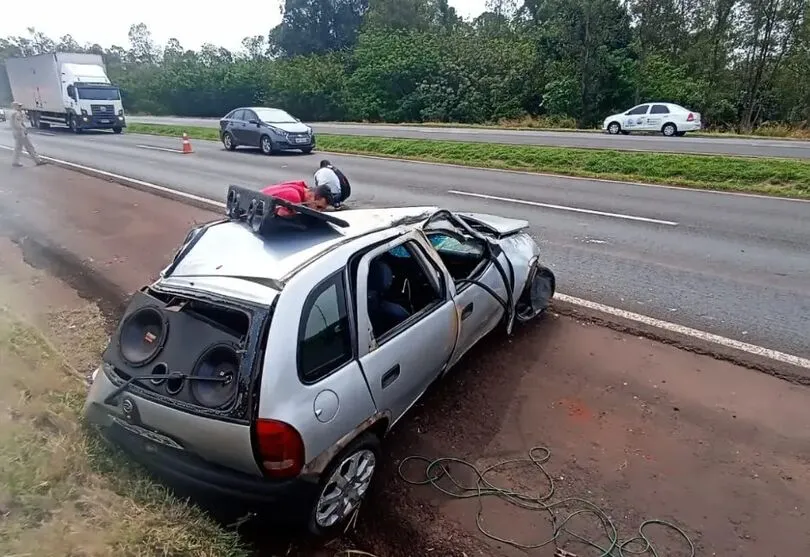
(95, 101)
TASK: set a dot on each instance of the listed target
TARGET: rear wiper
(168, 377)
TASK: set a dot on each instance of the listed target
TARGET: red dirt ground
(643, 430)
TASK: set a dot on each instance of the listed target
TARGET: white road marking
(688, 331)
(160, 149)
(563, 207)
(617, 312)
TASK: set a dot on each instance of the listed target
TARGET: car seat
(384, 314)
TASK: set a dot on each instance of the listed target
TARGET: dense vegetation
(742, 63)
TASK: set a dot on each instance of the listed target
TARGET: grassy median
(61, 491)
(777, 177)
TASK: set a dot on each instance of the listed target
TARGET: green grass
(776, 177)
(62, 491)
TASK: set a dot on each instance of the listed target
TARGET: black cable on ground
(641, 544)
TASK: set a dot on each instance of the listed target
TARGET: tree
(318, 26)
(414, 15)
(142, 48)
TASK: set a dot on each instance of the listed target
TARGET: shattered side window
(447, 243)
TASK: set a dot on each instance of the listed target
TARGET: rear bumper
(690, 127)
(218, 487)
(221, 489)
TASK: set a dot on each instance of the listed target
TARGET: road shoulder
(642, 429)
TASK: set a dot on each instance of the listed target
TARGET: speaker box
(258, 211)
(156, 339)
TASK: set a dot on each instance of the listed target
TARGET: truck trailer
(68, 89)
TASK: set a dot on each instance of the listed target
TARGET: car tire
(352, 464)
(307, 150)
(228, 141)
(117, 130)
(266, 145)
(669, 130)
(614, 128)
(537, 294)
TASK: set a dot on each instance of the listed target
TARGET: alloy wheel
(344, 491)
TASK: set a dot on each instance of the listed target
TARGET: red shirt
(294, 192)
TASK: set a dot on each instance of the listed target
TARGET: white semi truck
(68, 89)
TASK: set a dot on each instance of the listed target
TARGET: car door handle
(390, 376)
(467, 311)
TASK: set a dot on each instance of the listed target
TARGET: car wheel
(614, 128)
(118, 130)
(537, 295)
(228, 141)
(266, 145)
(669, 130)
(307, 150)
(344, 485)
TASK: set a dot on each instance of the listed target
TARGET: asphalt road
(738, 266)
(656, 143)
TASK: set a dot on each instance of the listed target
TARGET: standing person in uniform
(345, 186)
(20, 133)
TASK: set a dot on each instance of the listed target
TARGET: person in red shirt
(298, 192)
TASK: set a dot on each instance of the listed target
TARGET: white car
(667, 118)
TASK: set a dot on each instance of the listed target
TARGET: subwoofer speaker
(163, 336)
(259, 212)
(142, 335)
(220, 361)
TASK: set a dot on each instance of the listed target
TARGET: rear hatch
(187, 356)
(182, 370)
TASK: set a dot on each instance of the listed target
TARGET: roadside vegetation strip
(776, 177)
(62, 492)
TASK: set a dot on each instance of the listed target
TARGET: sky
(165, 18)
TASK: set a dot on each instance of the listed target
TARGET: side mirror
(71, 91)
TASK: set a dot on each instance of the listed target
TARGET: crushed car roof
(231, 249)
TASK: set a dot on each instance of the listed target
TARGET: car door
(475, 277)
(655, 119)
(252, 130)
(401, 361)
(237, 126)
(636, 118)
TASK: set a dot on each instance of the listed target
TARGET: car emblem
(128, 408)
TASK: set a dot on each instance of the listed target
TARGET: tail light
(690, 118)
(279, 448)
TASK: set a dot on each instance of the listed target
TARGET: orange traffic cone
(186, 144)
